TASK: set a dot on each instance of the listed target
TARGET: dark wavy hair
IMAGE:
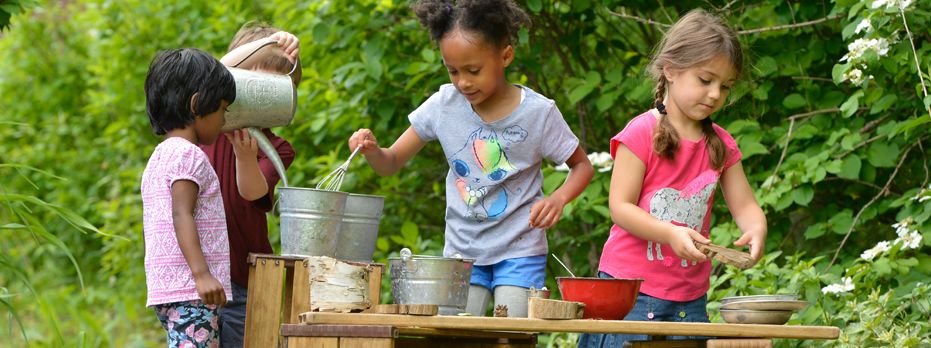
(176, 75)
(693, 39)
(498, 21)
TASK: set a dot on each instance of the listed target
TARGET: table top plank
(577, 325)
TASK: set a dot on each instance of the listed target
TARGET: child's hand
(681, 241)
(365, 138)
(546, 212)
(210, 290)
(756, 239)
(244, 145)
(289, 43)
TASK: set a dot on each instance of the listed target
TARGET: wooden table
(727, 335)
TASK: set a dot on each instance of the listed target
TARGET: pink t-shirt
(679, 191)
(168, 276)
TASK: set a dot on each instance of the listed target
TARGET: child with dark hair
(247, 176)
(495, 136)
(187, 253)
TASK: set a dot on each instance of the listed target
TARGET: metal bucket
(310, 220)
(421, 279)
(359, 231)
(262, 100)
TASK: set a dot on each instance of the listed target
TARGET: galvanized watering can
(263, 100)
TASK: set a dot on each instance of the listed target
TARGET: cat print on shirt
(481, 166)
(687, 207)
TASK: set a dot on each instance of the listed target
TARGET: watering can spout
(263, 100)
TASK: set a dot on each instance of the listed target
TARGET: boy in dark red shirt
(247, 184)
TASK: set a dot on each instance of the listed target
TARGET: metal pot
(422, 279)
(310, 220)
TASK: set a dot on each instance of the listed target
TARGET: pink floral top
(168, 276)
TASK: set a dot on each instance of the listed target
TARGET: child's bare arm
(626, 183)
(746, 211)
(249, 179)
(547, 212)
(183, 201)
(387, 161)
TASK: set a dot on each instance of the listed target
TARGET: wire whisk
(334, 180)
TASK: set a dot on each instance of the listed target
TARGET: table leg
(263, 306)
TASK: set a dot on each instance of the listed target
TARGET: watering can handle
(270, 41)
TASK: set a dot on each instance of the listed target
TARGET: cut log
(541, 308)
(423, 309)
(337, 286)
(728, 256)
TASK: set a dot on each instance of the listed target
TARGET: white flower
(846, 285)
(903, 4)
(871, 253)
(854, 75)
(864, 26)
(911, 240)
(860, 46)
(901, 227)
(602, 161)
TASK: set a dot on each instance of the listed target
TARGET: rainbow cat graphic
(480, 166)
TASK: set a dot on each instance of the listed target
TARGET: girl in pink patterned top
(187, 261)
(668, 163)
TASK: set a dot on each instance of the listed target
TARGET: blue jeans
(649, 308)
(233, 319)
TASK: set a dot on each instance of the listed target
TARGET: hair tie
(449, 9)
(661, 108)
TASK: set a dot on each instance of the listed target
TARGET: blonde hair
(696, 38)
(277, 62)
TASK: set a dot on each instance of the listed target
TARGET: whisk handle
(354, 152)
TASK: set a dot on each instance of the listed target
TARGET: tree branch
(785, 149)
(915, 54)
(881, 193)
(812, 113)
(639, 19)
(813, 78)
(790, 26)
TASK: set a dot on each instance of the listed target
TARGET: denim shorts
(524, 272)
(649, 308)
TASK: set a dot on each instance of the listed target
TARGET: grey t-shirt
(494, 171)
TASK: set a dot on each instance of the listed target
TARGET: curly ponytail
(497, 21)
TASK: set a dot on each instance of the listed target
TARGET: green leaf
(766, 65)
(803, 194)
(849, 107)
(814, 231)
(883, 103)
(837, 73)
(882, 154)
(602, 210)
(840, 222)
(592, 79)
(850, 169)
(794, 101)
(410, 232)
(534, 5)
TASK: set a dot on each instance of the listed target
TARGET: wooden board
(540, 308)
(578, 325)
(263, 305)
(728, 256)
(411, 309)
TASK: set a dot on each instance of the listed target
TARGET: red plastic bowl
(609, 299)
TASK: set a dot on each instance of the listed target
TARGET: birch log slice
(728, 256)
(337, 286)
(541, 308)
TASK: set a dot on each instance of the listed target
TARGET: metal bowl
(766, 305)
(780, 297)
(747, 316)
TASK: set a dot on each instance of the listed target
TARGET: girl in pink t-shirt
(187, 262)
(668, 163)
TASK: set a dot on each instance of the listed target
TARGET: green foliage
(834, 163)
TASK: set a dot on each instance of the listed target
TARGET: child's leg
(514, 297)
(478, 300)
(512, 278)
(189, 322)
(479, 290)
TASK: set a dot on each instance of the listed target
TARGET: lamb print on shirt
(687, 207)
(481, 166)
